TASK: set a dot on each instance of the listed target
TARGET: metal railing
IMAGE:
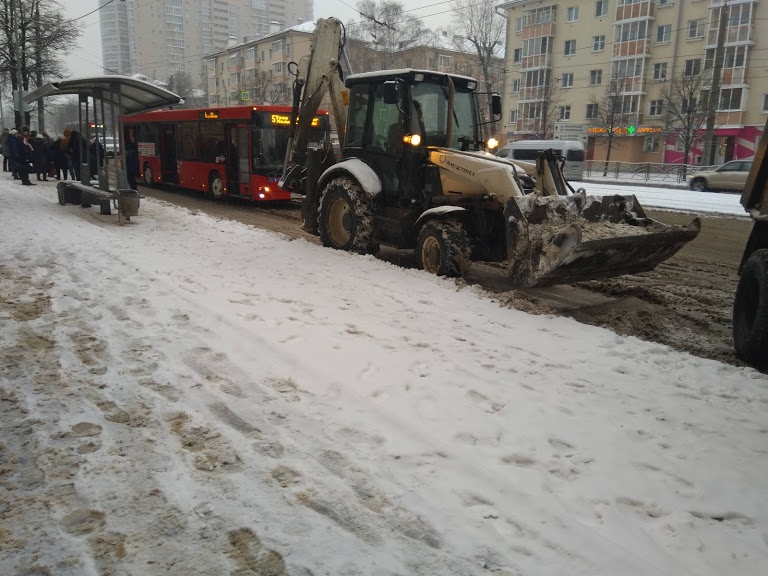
(676, 174)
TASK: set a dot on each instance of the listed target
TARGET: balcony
(632, 48)
(641, 10)
(532, 94)
(742, 34)
(538, 30)
(536, 62)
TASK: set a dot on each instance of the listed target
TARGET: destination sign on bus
(285, 119)
(209, 115)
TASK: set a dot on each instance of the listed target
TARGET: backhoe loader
(416, 173)
(750, 303)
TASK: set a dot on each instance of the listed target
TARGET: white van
(571, 150)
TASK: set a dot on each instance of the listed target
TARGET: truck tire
(443, 248)
(750, 311)
(345, 217)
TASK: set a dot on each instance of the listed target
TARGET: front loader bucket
(563, 239)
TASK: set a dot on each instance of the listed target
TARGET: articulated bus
(235, 151)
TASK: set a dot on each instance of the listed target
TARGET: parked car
(109, 146)
(729, 176)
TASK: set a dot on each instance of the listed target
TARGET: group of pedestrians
(27, 152)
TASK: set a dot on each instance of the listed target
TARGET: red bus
(235, 151)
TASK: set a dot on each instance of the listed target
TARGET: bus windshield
(269, 139)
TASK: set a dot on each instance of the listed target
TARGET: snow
(187, 395)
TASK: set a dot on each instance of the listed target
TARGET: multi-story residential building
(118, 37)
(565, 60)
(257, 71)
(165, 37)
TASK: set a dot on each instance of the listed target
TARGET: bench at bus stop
(125, 201)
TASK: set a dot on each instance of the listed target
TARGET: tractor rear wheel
(750, 311)
(345, 217)
(443, 248)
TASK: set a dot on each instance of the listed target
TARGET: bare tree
(385, 29)
(33, 36)
(484, 29)
(607, 114)
(685, 111)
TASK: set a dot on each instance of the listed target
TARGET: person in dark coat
(24, 157)
(60, 161)
(76, 143)
(3, 140)
(95, 154)
(132, 158)
(11, 147)
(40, 157)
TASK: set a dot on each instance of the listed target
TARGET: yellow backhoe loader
(416, 172)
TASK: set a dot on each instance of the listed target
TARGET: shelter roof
(129, 95)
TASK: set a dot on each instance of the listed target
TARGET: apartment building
(257, 71)
(566, 59)
(165, 37)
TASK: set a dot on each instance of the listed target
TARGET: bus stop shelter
(121, 95)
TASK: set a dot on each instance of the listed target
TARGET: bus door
(168, 166)
(238, 160)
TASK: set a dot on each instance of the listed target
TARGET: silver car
(729, 176)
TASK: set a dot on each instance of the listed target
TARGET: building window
(689, 104)
(765, 102)
(570, 47)
(657, 107)
(595, 77)
(518, 25)
(565, 112)
(651, 144)
(443, 61)
(516, 55)
(695, 29)
(601, 8)
(660, 71)
(512, 116)
(591, 111)
(573, 13)
(628, 2)
(693, 67)
(598, 43)
(666, 2)
(515, 86)
(730, 99)
(568, 80)
(664, 34)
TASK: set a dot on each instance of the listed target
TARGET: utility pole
(714, 90)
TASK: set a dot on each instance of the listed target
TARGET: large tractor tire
(750, 311)
(443, 248)
(345, 217)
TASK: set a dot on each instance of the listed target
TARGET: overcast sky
(85, 59)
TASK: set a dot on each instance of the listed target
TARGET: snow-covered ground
(184, 395)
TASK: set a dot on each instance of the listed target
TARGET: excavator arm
(318, 74)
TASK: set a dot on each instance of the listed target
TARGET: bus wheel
(148, 177)
(215, 186)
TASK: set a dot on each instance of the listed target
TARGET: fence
(674, 174)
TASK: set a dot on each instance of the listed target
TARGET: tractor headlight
(492, 144)
(413, 139)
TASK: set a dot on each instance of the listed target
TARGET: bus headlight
(412, 139)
